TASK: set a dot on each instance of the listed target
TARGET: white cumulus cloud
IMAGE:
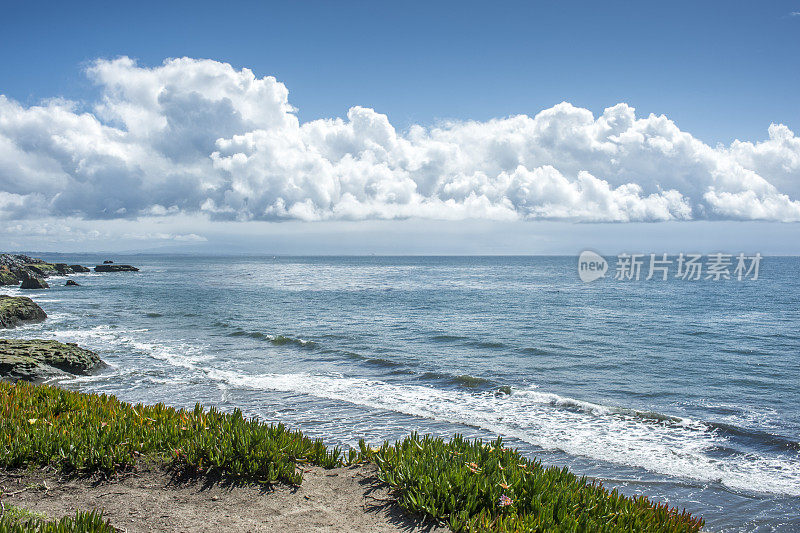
(198, 136)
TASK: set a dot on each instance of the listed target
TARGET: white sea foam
(668, 446)
(98, 335)
(671, 446)
(104, 338)
(112, 342)
(184, 355)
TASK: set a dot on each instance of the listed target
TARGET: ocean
(684, 391)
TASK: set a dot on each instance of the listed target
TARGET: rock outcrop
(71, 283)
(39, 360)
(7, 277)
(15, 267)
(15, 261)
(41, 270)
(63, 269)
(115, 268)
(16, 310)
(32, 281)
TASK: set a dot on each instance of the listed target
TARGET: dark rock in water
(7, 277)
(63, 269)
(107, 262)
(38, 360)
(115, 268)
(505, 390)
(71, 283)
(15, 310)
(32, 281)
(80, 268)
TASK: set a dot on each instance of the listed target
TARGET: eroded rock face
(80, 268)
(32, 281)
(7, 277)
(42, 269)
(16, 310)
(115, 268)
(38, 360)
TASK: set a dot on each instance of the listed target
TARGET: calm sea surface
(688, 392)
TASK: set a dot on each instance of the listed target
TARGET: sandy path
(343, 499)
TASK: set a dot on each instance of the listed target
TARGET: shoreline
(461, 484)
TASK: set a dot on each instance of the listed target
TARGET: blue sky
(721, 70)
(414, 127)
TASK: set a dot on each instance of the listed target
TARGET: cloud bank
(200, 137)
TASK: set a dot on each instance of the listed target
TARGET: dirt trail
(342, 499)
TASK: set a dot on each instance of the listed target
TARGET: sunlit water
(685, 392)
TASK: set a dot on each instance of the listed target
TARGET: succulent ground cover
(467, 485)
(475, 486)
(90, 434)
(16, 520)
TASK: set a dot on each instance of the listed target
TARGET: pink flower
(504, 501)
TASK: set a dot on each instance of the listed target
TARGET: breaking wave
(659, 443)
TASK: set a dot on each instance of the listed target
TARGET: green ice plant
(98, 434)
(475, 486)
(14, 520)
(466, 484)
